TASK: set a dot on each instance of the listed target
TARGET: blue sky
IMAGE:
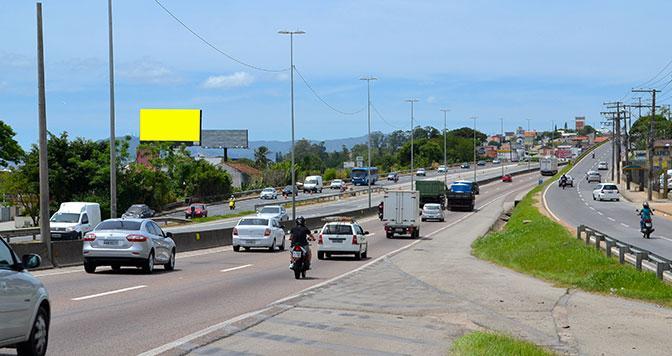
(512, 59)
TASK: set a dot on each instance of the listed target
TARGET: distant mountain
(273, 146)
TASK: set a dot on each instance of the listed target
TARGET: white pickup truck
(401, 210)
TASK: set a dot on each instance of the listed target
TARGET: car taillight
(354, 239)
(319, 240)
(297, 248)
(235, 231)
(267, 232)
(89, 237)
(136, 238)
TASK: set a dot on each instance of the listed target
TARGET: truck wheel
(89, 267)
(236, 248)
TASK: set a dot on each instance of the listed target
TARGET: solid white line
(612, 219)
(108, 293)
(599, 212)
(235, 268)
(626, 225)
(591, 208)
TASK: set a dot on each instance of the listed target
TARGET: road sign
(481, 150)
(349, 164)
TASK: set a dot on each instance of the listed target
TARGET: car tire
(247, 249)
(594, 197)
(443, 220)
(365, 254)
(148, 264)
(272, 248)
(327, 255)
(282, 247)
(170, 266)
(36, 345)
(358, 256)
(116, 268)
(423, 220)
(236, 248)
(89, 267)
(389, 236)
(320, 255)
(618, 199)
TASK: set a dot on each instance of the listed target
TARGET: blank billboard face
(174, 125)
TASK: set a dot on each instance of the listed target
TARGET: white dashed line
(235, 268)
(108, 293)
(599, 212)
(612, 219)
(591, 208)
(625, 225)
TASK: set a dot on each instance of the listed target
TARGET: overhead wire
(656, 76)
(211, 45)
(324, 101)
(383, 118)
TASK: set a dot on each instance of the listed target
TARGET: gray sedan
(128, 242)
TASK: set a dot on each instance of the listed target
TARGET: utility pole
(649, 151)
(616, 140)
(445, 145)
(113, 144)
(42, 112)
(529, 158)
(368, 112)
(291, 61)
(474, 131)
(412, 101)
(501, 120)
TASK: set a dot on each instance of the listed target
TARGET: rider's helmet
(300, 221)
(645, 205)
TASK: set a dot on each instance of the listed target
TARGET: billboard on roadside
(172, 125)
(225, 139)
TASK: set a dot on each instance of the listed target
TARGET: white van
(73, 220)
(312, 184)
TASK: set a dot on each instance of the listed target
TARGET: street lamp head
(368, 78)
(297, 32)
(411, 100)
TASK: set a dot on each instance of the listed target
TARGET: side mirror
(31, 261)
(366, 232)
(169, 234)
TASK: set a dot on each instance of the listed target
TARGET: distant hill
(273, 146)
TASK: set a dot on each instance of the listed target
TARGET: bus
(359, 175)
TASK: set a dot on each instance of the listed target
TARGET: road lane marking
(591, 208)
(235, 268)
(108, 293)
(599, 212)
(612, 219)
(625, 225)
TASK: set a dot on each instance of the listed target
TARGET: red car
(507, 178)
(196, 210)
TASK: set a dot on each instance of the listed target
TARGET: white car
(432, 211)
(593, 176)
(421, 172)
(602, 166)
(496, 161)
(442, 169)
(606, 191)
(342, 238)
(268, 193)
(258, 232)
(24, 304)
(276, 212)
(337, 184)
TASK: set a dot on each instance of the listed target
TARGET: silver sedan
(128, 242)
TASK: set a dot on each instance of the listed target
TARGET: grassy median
(534, 244)
(220, 217)
(491, 344)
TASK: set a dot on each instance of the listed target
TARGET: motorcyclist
(381, 206)
(299, 235)
(232, 202)
(563, 181)
(646, 214)
(593, 155)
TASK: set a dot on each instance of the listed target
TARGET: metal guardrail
(167, 219)
(8, 234)
(325, 197)
(598, 238)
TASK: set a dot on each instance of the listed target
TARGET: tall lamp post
(445, 145)
(113, 146)
(291, 61)
(529, 157)
(501, 119)
(412, 101)
(475, 163)
(368, 115)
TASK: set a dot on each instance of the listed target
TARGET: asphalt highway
(126, 313)
(576, 206)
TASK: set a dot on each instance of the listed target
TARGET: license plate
(296, 254)
(55, 235)
(338, 241)
(399, 230)
(111, 243)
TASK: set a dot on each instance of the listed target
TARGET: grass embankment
(490, 344)
(534, 244)
(220, 217)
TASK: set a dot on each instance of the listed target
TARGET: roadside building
(579, 123)
(241, 174)
(529, 138)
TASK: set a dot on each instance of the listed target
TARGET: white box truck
(548, 166)
(313, 184)
(401, 213)
(73, 220)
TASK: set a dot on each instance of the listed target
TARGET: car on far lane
(507, 178)
(286, 191)
(593, 176)
(24, 304)
(258, 232)
(393, 176)
(273, 212)
(602, 166)
(442, 169)
(268, 193)
(138, 211)
(496, 161)
(128, 242)
(465, 165)
(421, 172)
(481, 163)
(432, 211)
(606, 191)
(196, 210)
(337, 184)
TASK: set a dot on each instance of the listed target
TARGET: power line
(656, 76)
(324, 101)
(209, 44)
(383, 119)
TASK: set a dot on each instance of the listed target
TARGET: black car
(138, 211)
(465, 165)
(481, 163)
(288, 190)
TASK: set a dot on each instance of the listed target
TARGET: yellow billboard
(177, 125)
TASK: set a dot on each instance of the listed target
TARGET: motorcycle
(563, 184)
(646, 227)
(299, 262)
(232, 205)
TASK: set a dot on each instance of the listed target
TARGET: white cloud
(237, 79)
(431, 99)
(282, 77)
(147, 71)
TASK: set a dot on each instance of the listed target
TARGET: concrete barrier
(198, 240)
(67, 253)
(34, 247)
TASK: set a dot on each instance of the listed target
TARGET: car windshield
(432, 207)
(269, 210)
(197, 207)
(258, 222)
(65, 218)
(337, 181)
(268, 190)
(337, 229)
(311, 181)
(119, 225)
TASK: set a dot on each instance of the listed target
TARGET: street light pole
(412, 101)
(474, 130)
(445, 145)
(291, 61)
(529, 158)
(368, 114)
(113, 145)
(501, 119)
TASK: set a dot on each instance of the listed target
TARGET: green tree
(261, 157)
(10, 151)
(639, 133)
